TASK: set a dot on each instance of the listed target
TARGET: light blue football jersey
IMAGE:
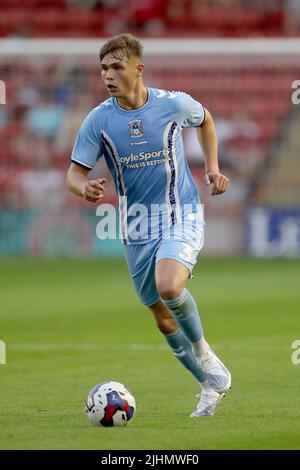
(143, 149)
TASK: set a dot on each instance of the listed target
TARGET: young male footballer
(138, 131)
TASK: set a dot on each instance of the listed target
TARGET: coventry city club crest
(136, 128)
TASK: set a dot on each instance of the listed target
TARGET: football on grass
(110, 404)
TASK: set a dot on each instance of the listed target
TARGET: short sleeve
(88, 147)
(190, 113)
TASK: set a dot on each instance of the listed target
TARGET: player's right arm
(87, 150)
(78, 183)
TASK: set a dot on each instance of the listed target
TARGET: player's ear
(140, 69)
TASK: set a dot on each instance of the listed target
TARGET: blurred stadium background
(70, 323)
(238, 57)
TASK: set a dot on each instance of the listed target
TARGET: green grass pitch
(69, 324)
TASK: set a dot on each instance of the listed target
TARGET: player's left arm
(207, 137)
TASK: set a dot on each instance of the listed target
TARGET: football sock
(200, 347)
(182, 349)
(185, 312)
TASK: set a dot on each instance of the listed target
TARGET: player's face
(120, 74)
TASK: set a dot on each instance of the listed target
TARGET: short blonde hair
(126, 43)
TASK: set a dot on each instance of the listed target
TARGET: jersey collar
(132, 111)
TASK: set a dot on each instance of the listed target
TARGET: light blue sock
(185, 312)
(182, 349)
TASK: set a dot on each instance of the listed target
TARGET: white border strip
(69, 47)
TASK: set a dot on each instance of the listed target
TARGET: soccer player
(138, 131)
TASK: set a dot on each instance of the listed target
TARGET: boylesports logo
(142, 156)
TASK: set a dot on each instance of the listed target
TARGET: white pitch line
(83, 347)
(264, 346)
(100, 347)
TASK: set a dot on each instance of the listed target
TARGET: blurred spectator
(3, 116)
(225, 128)
(176, 14)
(42, 186)
(44, 120)
(292, 16)
(118, 18)
(163, 17)
(76, 112)
(147, 14)
(77, 77)
(86, 4)
(27, 96)
(239, 147)
(21, 30)
(63, 92)
(110, 4)
(243, 150)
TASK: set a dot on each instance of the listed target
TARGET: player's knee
(169, 289)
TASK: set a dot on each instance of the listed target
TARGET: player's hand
(219, 181)
(94, 190)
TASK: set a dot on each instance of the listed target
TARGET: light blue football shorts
(181, 243)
